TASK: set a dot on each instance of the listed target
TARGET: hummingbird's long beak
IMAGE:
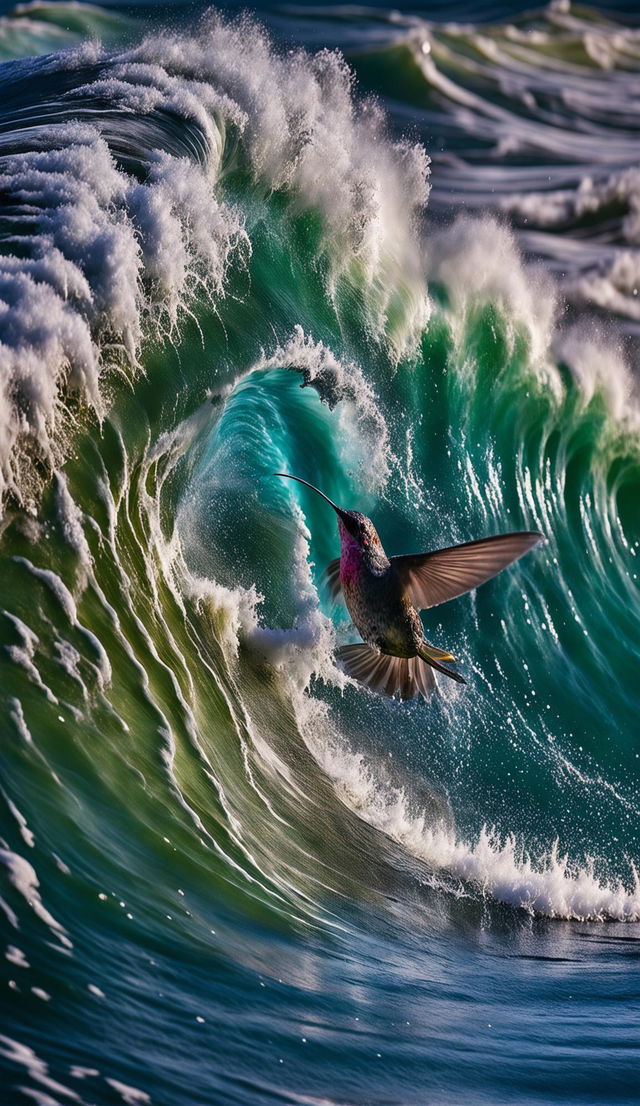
(338, 510)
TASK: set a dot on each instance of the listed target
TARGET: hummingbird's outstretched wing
(331, 580)
(433, 578)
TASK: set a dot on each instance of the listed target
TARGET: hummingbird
(385, 594)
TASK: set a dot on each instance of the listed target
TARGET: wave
(214, 267)
(217, 263)
(533, 122)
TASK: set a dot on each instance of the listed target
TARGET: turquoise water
(230, 875)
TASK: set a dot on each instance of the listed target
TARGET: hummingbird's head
(358, 526)
(351, 523)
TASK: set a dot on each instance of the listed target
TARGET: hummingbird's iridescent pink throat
(351, 556)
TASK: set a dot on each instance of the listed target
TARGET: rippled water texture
(395, 254)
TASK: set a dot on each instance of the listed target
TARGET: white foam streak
(23, 877)
(494, 866)
(23, 655)
(36, 1068)
(25, 833)
(16, 715)
(70, 518)
(479, 263)
(599, 368)
(129, 1095)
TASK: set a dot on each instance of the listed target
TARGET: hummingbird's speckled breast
(380, 611)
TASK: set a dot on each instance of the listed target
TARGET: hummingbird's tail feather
(434, 656)
(406, 677)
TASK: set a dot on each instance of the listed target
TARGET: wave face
(229, 873)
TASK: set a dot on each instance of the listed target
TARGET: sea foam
(104, 230)
(500, 867)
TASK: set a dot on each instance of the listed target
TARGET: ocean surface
(395, 251)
